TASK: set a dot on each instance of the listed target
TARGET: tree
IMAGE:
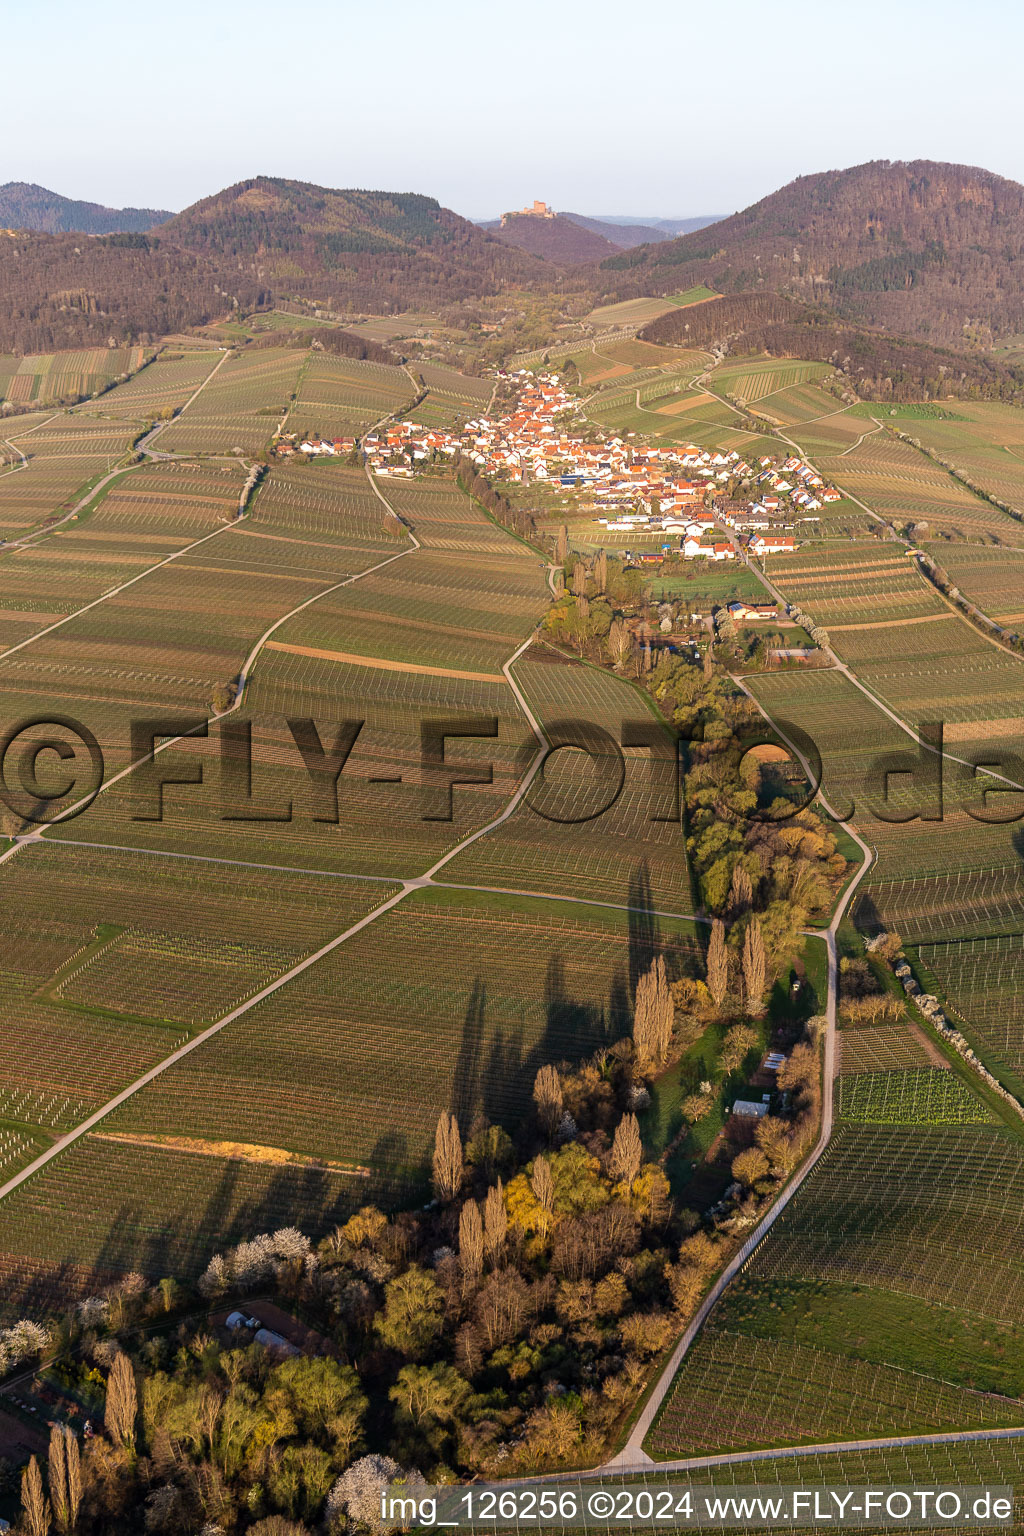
(495, 1222)
(412, 1315)
(562, 545)
(773, 1138)
(122, 1402)
(471, 1241)
(749, 1165)
(169, 1292)
(425, 1394)
(34, 1503)
(627, 1151)
(653, 1016)
(620, 643)
(64, 1469)
(739, 1041)
(579, 579)
(601, 571)
(718, 963)
(754, 967)
(742, 890)
(326, 1398)
(448, 1165)
(547, 1095)
(542, 1184)
(800, 1069)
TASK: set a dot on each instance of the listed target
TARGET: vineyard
(339, 396)
(620, 854)
(126, 971)
(909, 1096)
(990, 576)
(824, 1336)
(736, 1392)
(982, 979)
(60, 378)
(241, 407)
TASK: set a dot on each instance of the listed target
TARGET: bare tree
(754, 969)
(601, 571)
(742, 890)
(750, 1165)
(653, 1016)
(620, 643)
(122, 1402)
(34, 1503)
(61, 1438)
(547, 1095)
(718, 963)
(448, 1165)
(562, 545)
(579, 579)
(627, 1150)
(542, 1184)
(471, 1241)
(495, 1222)
(73, 1473)
(57, 1477)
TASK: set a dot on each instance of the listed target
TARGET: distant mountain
(920, 247)
(558, 237)
(26, 206)
(628, 231)
(622, 235)
(550, 238)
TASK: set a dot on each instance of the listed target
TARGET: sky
(672, 108)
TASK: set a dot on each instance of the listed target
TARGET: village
(678, 494)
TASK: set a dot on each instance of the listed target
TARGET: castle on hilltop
(536, 210)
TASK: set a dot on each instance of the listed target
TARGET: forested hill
(384, 250)
(375, 252)
(558, 239)
(26, 206)
(924, 248)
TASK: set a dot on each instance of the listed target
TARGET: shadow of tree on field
(644, 928)
(464, 1099)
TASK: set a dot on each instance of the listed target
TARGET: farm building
(747, 611)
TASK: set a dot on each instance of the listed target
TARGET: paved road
(58, 522)
(143, 444)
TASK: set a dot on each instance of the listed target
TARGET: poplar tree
(34, 1503)
(627, 1151)
(718, 963)
(448, 1166)
(754, 969)
(495, 1222)
(471, 1241)
(122, 1402)
(547, 1096)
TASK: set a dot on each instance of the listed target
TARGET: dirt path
(383, 665)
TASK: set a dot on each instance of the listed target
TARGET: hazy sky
(670, 107)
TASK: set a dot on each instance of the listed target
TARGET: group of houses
(675, 492)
